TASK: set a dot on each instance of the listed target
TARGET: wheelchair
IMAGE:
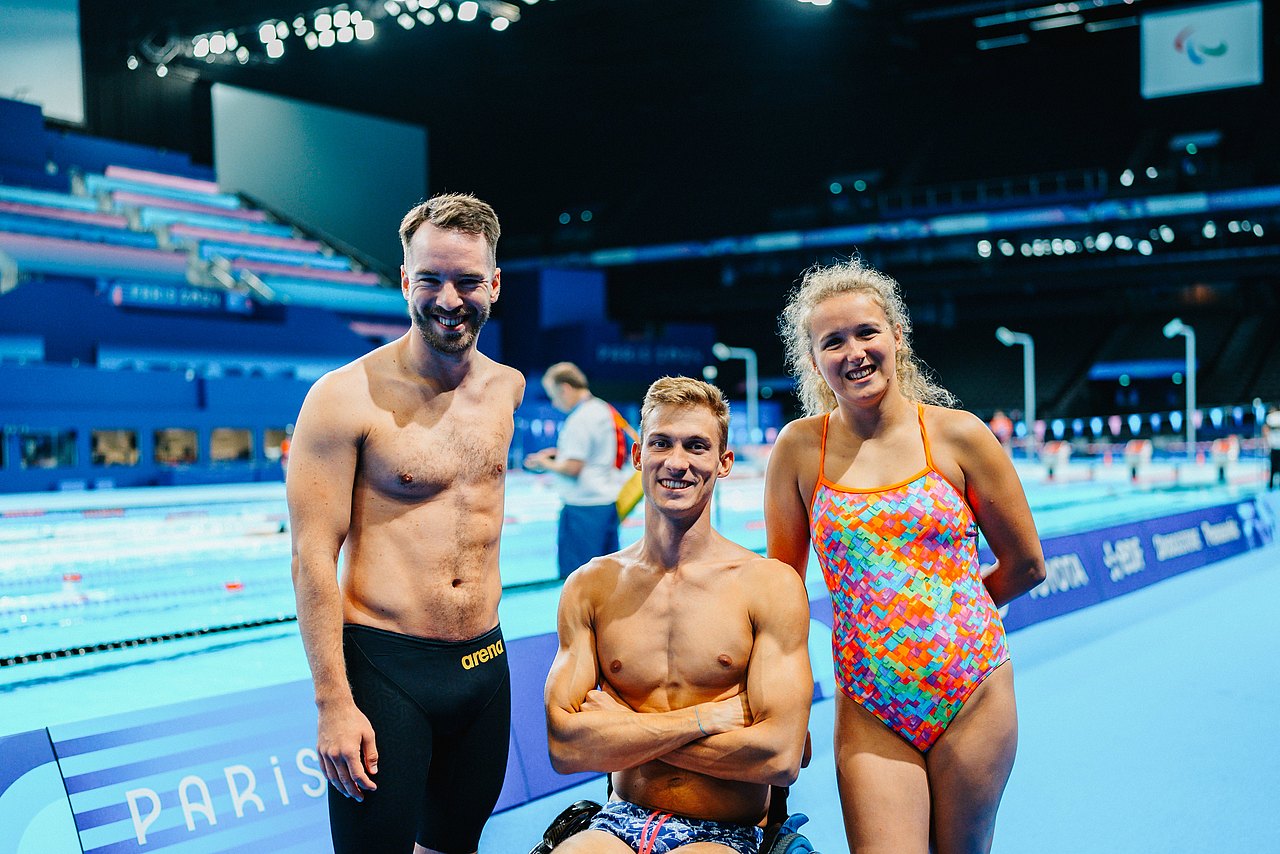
(781, 833)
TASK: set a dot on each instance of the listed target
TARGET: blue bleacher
(101, 183)
(17, 224)
(281, 256)
(25, 196)
(152, 217)
(338, 297)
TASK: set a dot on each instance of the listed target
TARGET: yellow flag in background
(630, 495)
(632, 491)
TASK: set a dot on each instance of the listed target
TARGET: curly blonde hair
(817, 285)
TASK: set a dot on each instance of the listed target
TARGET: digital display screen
(1202, 48)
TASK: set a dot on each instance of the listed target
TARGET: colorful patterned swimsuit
(915, 631)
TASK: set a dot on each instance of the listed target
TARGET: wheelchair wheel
(573, 819)
(790, 843)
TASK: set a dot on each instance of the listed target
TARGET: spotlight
(232, 41)
(282, 29)
(312, 41)
(242, 52)
(411, 5)
(267, 33)
(426, 17)
(162, 70)
(1126, 178)
(1210, 230)
(1124, 242)
(445, 11)
(364, 30)
(341, 18)
(1104, 241)
(500, 23)
(327, 38)
(1144, 247)
(984, 248)
(217, 44)
(275, 50)
(1153, 173)
(345, 34)
(467, 10)
(392, 7)
(324, 21)
(131, 63)
(1166, 234)
(1006, 248)
(405, 21)
(1257, 229)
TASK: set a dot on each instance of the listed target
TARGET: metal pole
(1177, 327)
(1191, 391)
(747, 355)
(1008, 338)
(1029, 387)
(753, 396)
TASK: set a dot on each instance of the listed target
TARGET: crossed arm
(757, 736)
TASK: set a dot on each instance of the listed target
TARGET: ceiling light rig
(321, 28)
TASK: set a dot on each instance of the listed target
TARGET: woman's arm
(999, 504)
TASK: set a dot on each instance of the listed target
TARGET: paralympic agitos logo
(1186, 42)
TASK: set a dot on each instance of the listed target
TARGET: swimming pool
(147, 575)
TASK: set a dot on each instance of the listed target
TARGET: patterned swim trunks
(657, 832)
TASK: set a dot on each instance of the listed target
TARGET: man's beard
(450, 342)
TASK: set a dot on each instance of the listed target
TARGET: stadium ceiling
(665, 120)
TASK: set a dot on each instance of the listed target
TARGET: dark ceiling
(674, 119)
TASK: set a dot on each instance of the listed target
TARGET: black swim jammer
(441, 717)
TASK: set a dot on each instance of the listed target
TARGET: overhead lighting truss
(1001, 23)
(316, 29)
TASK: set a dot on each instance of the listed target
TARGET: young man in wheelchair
(683, 667)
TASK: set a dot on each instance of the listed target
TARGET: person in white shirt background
(588, 456)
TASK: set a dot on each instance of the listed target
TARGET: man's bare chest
(670, 649)
(420, 453)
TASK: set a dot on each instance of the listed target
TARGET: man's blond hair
(686, 391)
(454, 212)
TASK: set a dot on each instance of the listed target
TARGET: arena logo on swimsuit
(480, 656)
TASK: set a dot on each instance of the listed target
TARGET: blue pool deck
(1128, 741)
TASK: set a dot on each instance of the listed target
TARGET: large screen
(351, 176)
(1202, 48)
(40, 56)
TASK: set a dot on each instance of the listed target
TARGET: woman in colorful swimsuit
(889, 485)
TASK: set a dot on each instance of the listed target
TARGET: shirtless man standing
(683, 666)
(399, 459)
